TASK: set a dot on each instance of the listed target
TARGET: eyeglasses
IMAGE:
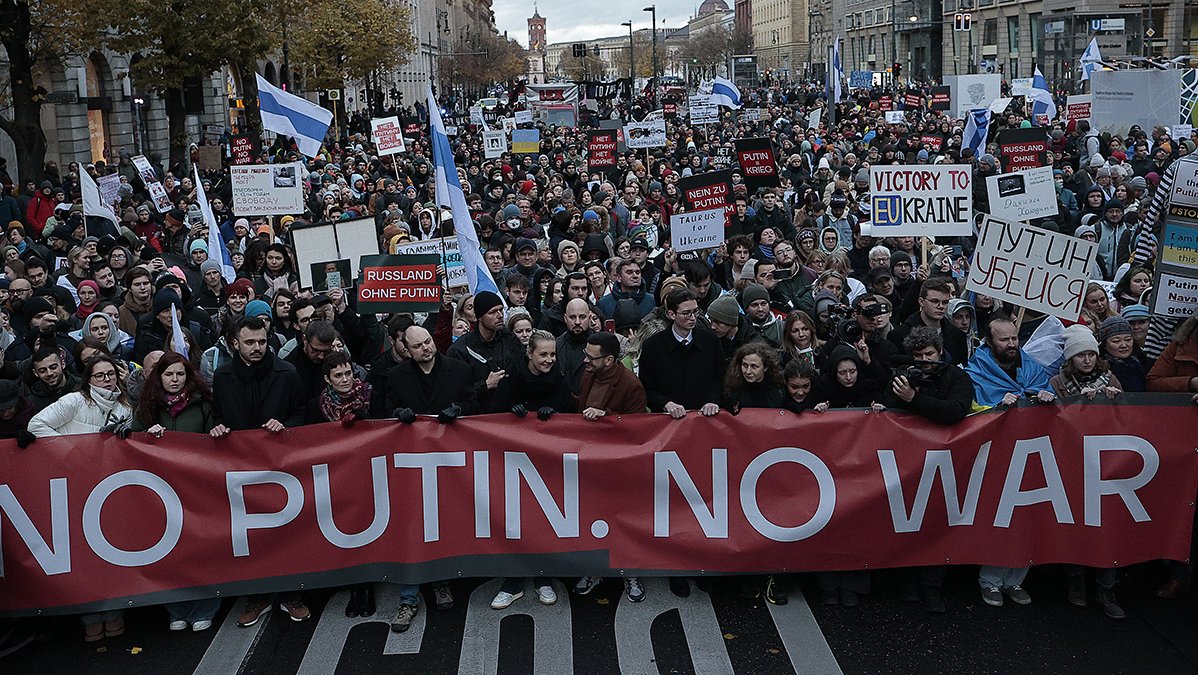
(319, 350)
(104, 376)
(587, 358)
(936, 303)
(686, 312)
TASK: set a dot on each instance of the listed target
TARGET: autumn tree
(587, 67)
(336, 42)
(36, 36)
(642, 51)
(183, 39)
(484, 60)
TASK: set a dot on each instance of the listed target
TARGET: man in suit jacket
(429, 384)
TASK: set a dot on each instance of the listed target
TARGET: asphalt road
(716, 632)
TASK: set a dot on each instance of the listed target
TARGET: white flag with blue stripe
(1042, 103)
(449, 194)
(976, 126)
(291, 115)
(837, 72)
(725, 93)
(1090, 60)
(217, 251)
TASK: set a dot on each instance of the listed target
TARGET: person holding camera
(934, 296)
(925, 383)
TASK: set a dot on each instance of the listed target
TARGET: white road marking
(699, 624)
(553, 640)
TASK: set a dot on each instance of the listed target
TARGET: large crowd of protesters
(596, 315)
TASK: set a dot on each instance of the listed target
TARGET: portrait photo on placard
(331, 274)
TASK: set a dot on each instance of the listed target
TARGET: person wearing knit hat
(626, 315)
(724, 310)
(485, 301)
(164, 299)
(257, 308)
(667, 285)
(1079, 339)
(752, 293)
(1117, 341)
(264, 231)
(590, 214)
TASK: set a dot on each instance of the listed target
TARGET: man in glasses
(682, 367)
(934, 296)
(317, 343)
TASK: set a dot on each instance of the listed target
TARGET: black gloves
(404, 415)
(519, 410)
(545, 413)
(24, 438)
(450, 414)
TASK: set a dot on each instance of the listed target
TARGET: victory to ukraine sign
(921, 201)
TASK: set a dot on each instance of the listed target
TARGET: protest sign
(412, 127)
(447, 252)
(813, 118)
(1022, 148)
(243, 150)
(1022, 195)
(331, 274)
(1185, 184)
(751, 114)
(705, 191)
(212, 133)
(522, 117)
(494, 143)
(399, 283)
(601, 148)
(650, 134)
(333, 241)
(1021, 86)
(694, 230)
(926, 201)
(145, 170)
(267, 189)
(669, 110)
(1077, 107)
(1031, 267)
(209, 157)
(703, 110)
(508, 123)
(861, 79)
(757, 162)
(886, 102)
(1176, 282)
(912, 101)
(616, 125)
(932, 141)
(477, 118)
(491, 495)
(526, 141)
(973, 91)
(1181, 132)
(895, 117)
(999, 105)
(387, 134)
(110, 186)
(942, 98)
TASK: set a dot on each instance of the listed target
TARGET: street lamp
(652, 9)
(631, 57)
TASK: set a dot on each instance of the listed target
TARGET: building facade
(781, 38)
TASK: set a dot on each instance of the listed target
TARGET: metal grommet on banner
(1115, 564)
(218, 592)
(130, 603)
(384, 577)
(301, 585)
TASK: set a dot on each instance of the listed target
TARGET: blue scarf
(991, 382)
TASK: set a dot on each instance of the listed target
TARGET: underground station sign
(399, 283)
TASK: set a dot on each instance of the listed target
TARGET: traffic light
(579, 49)
(897, 68)
(962, 22)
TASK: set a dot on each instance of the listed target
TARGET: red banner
(98, 522)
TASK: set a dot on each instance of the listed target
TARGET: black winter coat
(449, 382)
(246, 397)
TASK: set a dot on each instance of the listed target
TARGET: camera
(849, 331)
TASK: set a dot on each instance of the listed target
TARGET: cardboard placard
(601, 148)
(387, 134)
(1022, 195)
(650, 134)
(758, 163)
(267, 189)
(399, 283)
(1031, 267)
(918, 200)
(1022, 148)
(209, 157)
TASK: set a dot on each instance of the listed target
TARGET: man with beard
(489, 348)
(47, 379)
(1002, 373)
(571, 343)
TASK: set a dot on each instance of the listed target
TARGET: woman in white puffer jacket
(100, 403)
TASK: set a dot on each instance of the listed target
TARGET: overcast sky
(568, 20)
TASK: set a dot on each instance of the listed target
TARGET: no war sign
(921, 201)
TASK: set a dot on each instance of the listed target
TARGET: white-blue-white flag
(177, 341)
(1090, 59)
(1042, 103)
(725, 93)
(291, 115)
(837, 70)
(449, 194)
(217, 251)
(976, 126)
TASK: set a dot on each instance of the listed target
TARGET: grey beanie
(209, 265)
(725, 310)
(753, 293)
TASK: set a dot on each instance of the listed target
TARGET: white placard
(476, 116)
(752, 114)
(1021, 86)
(1180, 132)
(451, 257)
(696, 230)
(921, 201)
(523, 117)
(110, 189)
(814, 117)
(973, 91)
(999, 105)
(895, 117)
(509, 123)
(703, 110)
(1185, 184)
(326, 242)
(387, 133)
(494, 144)
(1022, 195)
(1031, 267)
(650, 134)
(1175, 295)
(267, 189)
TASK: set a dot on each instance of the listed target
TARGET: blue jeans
(1001, 577)
(409, 594)
(192, 611)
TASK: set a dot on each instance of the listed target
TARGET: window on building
(1013, 34)
(1034, 32)
(990, 32)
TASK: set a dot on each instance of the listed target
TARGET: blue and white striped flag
(725, 93)
(178, 343)
(291, 115)
(976, 126)
(837, 71)
(1042, 103)
(1090, 60)
(449, 194)
(217, 251)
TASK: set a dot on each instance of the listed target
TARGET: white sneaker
(503, 599)
(201, 625)
(546, 595)
(179, 625)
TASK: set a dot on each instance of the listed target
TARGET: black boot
(368, 604)
(354, 606)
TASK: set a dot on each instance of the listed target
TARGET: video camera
(906, 366)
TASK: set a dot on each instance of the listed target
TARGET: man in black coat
(934, 296)
(943, 393)
(307, 358)
(429, 384)
(682, 367)
(490, 350)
